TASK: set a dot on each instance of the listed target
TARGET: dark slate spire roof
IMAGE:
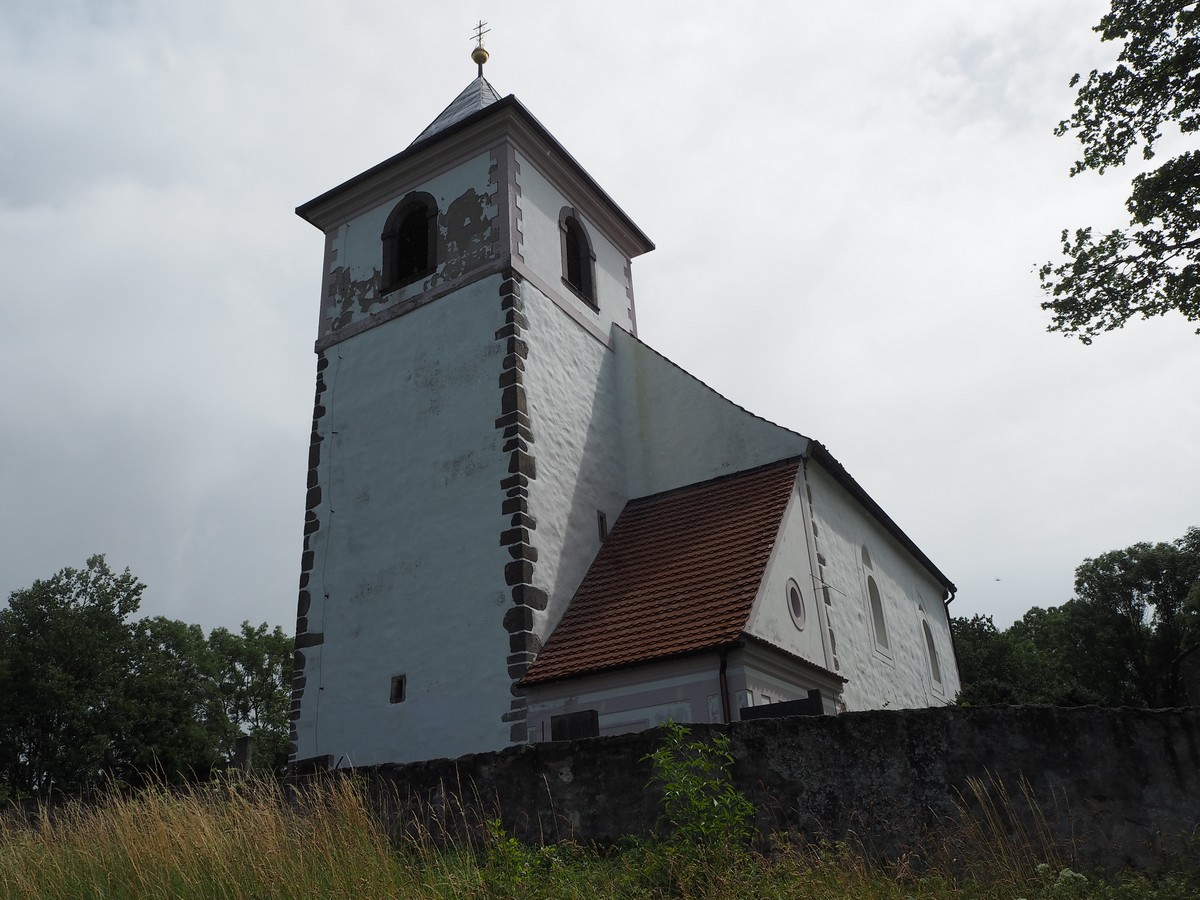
(477, 95)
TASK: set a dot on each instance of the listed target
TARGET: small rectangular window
(602, 525)
(398, 688)
(576, 725)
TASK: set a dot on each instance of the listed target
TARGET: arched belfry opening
(578, 260)
(409, 241)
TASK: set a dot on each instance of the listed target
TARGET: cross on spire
(480, 30)
(479, 56)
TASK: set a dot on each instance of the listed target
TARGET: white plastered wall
(685, 690)
(900, 676)
(572, 392)
(771, 618)
(679, 431)
(634, 698)
(408, 573)
(354, 250)
(759, 676)
(540, 249)
(612, 425)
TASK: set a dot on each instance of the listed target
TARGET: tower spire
(479, 56)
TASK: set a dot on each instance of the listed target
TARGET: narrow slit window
(399, 688)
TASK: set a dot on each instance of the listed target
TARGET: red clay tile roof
(678, 573)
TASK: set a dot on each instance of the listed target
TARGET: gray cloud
(848, 201)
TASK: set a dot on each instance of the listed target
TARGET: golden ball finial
(479, 56)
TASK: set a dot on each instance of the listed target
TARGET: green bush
(700, 804)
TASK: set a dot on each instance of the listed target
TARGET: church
(524, 524)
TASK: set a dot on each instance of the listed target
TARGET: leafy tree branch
(1153, 267)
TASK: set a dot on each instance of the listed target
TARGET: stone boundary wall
(1120, 786)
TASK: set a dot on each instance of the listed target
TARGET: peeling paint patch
(466, 236)
(466, 229)
(352, 297)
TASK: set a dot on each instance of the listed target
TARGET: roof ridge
(728, 476)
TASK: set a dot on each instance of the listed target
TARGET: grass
(251, 840)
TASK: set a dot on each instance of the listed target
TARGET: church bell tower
(465, 451)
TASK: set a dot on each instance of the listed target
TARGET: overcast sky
(849, 202)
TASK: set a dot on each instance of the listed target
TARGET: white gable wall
(771, 618)
(899, 676)
(680, 431)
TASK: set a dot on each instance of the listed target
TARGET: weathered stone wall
(1122, 785)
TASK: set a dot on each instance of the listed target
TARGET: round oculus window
(795, 602)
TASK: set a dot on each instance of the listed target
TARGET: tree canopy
(1153, 266)
(88, 693)
(1119, 642)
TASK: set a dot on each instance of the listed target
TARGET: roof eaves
(728, 476)
(805, 663)
(630, 664)
(819, 452)
(724, 646)
(305, 209)
(510, 102)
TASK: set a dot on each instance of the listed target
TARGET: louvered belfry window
(574, 263)
(412, 245)
(577, 259)
(409, 246)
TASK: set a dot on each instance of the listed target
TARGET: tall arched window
(409, 241)
(578, 261)
(935, 668)
(875, 602)
(881, 635)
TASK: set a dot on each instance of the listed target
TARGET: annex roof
(678, 574)
(477, 95)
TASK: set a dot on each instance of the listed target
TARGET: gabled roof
(678, 574)
(477, 95)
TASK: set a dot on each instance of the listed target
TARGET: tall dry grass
(253, 840)
(230, 840)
